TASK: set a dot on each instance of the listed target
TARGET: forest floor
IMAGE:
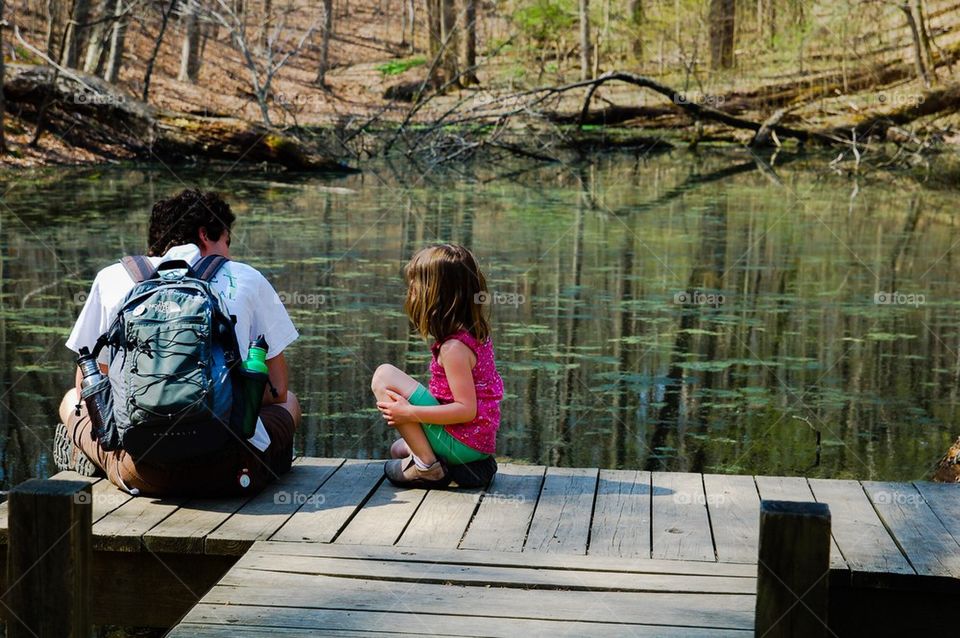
(368, 57)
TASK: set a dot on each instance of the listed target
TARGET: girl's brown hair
(446, 293)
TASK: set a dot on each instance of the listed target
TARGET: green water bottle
(252, 378)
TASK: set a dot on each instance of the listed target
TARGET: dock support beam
(49, 555)
(793, 570)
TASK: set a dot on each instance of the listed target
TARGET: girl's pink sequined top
(481, 433)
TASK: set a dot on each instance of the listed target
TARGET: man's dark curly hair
(178, 220)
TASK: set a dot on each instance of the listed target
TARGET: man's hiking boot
(474, 474)
(68, 457)
(405, 473)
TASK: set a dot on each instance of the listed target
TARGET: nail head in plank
(621, 516)
(506, 509)
(321, 519)
(734, 508)
(865, 542)
(266, 512)
(681, 527)
(561, 522)
(923, 538)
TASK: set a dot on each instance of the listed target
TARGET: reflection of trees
(706, 275)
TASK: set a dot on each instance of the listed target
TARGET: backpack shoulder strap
(138, 267)
(208, 266)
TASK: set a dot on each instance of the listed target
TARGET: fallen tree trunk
(92, 114)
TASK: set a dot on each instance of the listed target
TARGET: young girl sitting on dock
(453, 425)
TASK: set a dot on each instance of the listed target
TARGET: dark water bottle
(252, 378)
(95, 401)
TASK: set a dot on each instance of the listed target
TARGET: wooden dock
(332, 547)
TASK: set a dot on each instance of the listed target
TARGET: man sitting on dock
(188, 227)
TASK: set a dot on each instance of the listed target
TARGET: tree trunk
(722, 30)
(922, 74)
(585, 66)
(635, 11)
(325, 43)
(117, 36)
(3, 139)
(924, 38)
(265, 31)
(449, 37)
(189, 53)
(96, 43)
(772, 22)
(412, 12)
(434, 29)
(76, 33)
(470, 57)
(164, 20)
(51, 30)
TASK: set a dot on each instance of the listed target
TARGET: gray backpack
(173, 350)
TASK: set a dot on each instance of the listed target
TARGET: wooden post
(48, 559)
(793, 570)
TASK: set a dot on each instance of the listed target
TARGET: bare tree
(75, 33)
(635, 12)
(585, 66)
(117, 36)
(3, 139)
(450, 40)
(264, 64)
(470, 53)
(722, 31)
(96, 43)
(923, 74)
(190, 51)
(165, 14)
(325, 43)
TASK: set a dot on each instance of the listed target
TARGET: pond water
(676, 312)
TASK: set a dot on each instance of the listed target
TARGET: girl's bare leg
(388, 377)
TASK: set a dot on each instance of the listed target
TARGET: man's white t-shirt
(245, 292)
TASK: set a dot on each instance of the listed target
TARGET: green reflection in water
(678, 312)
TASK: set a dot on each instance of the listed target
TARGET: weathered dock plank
(860, 534)
(561, 522)
(215, 621)
(185, 530)
(506, 509)
(680, 524)
(796, 488)
(323, 517)
(251, 587)
(383, 518)
(621, 515)
(120, 531)
(441, 519)
(733, 505)
(944, 500)
(265, 513)
(928, 545)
